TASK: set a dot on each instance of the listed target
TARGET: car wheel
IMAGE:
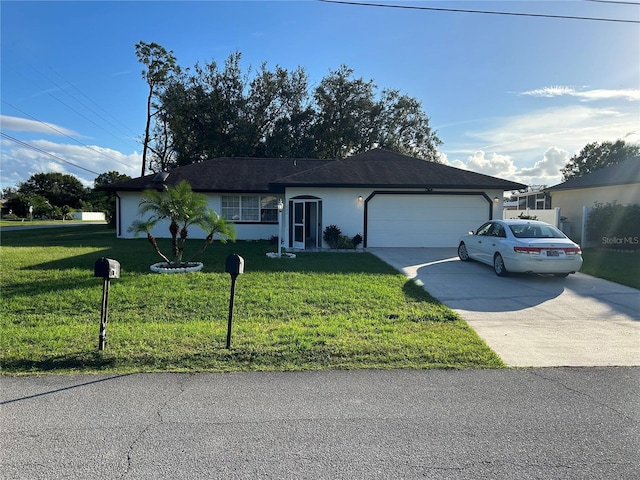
(462, 252)
(498, 266)
(561, 275)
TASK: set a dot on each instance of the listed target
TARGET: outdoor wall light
(359, 198)
(280, 205)
(496, 200)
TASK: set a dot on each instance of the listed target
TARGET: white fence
(89, 216)
(550, 216)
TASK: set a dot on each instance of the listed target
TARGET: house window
(250, 208)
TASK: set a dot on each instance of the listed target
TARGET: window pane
(250, 208)
(269, 212)
(231, 207)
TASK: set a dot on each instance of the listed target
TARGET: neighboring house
(392, 200)
(618, 183)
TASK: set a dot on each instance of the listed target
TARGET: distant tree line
(212, 111)
(55, 195)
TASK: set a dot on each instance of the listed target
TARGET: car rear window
(535, 231)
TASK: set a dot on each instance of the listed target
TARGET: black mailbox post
(105, 268)
(234, 266)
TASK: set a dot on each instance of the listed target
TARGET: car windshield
(527, 230)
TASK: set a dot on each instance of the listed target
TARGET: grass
(38, 223)
(617, 266)
(318, 311)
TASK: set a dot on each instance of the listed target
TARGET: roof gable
(622, 173)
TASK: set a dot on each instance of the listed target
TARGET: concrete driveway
(531, 320)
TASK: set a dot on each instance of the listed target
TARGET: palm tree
(183, 208)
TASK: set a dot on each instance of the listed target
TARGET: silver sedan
(523, 246)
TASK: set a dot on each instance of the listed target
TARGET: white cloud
(19, 162)
(630, 94)
(549, 166)
(491, 164)
(8, 123)
(571, 127)
(532, 147)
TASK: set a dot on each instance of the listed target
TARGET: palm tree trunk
(152, 241)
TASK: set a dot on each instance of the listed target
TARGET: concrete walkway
(531, 320)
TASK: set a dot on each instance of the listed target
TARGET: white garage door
(423, 220)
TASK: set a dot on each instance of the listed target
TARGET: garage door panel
(423, 220)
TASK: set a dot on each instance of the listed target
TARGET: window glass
(231, 207)
(484, 229)
(269, 209)
(250, 208)
(526, 230)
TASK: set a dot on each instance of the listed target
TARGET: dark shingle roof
(227, 174)
(622, 173)
(374, 169)
(384, 169)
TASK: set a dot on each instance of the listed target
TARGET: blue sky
(509, 96)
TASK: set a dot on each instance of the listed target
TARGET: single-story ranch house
(392, 200)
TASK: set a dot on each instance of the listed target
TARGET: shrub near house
(615, 226)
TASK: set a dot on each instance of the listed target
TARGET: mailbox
(234, 264)
(106, 268)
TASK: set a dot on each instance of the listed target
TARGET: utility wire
(129, 132)
(66, 104)
(48, 125)
(55, 157)
(615, 2)
(485, 12)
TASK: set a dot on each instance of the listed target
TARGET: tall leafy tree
(595, 156)
(57, 188)
(160, 68)
(402, 126)
(345, 114)
(227, 111)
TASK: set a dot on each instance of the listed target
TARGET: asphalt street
(564, 423)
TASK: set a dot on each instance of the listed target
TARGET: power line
(615, 2)
(129, 132)
(485, 12)
(66, 104)
(55, 157)
(48, 125)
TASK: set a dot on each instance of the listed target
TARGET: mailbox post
(106, 269)
(234, 266)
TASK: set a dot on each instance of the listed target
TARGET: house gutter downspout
(118, 216)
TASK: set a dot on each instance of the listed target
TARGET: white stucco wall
(571, 202)
(128, 213)
(341, 207)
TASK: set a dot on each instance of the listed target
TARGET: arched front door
(305, 222)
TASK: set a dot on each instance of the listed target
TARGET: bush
(357, 240)
(332, 235)
(614, 221)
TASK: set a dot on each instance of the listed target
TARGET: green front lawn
(620, 267)
(317, 311)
